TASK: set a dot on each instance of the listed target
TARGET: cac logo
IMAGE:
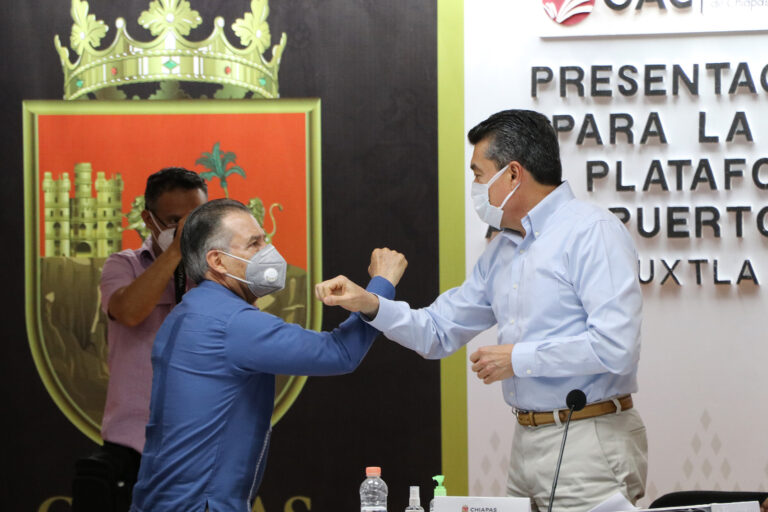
(464, 508)
(568, 12)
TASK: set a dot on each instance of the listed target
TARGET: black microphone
(576, 400)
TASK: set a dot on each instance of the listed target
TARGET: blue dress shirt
(567, 295)
(214, 363)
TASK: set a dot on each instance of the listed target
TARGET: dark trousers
(104, 480)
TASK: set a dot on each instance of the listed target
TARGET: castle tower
(117, 213)
(109, 193)
(83, 214)
(56, 211)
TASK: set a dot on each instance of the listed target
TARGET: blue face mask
(489, 213)
(265, 272)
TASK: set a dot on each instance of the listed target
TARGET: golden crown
(170, 58)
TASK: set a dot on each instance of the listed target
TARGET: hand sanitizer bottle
(414, 500)
(439, 491)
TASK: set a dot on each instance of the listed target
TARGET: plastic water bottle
(373, 491)
(414, 501)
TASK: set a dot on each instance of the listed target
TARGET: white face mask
(489, 213)
(165, 238)
(265, 272)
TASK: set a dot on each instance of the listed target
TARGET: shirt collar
(537, 219)
(207, 284)
(145, 251)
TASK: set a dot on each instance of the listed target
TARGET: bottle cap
(439, 490)
(373, 471)
(413, 500)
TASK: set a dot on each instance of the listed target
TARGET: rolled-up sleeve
(117, 273)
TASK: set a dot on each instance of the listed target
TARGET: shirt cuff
(524, 360)
(386, 316)
(381, 287)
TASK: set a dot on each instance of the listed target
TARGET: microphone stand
(559, 460)
(576, 400)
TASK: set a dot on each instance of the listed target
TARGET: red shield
(86, 166)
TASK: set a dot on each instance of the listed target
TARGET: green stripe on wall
(450, 140)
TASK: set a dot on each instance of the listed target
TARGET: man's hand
(340, 291)
(493, 362)
(176, 244)
(132, 304)
(388, 264)
(764, 506)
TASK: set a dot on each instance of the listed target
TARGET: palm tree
(217, 163)
(134, 217)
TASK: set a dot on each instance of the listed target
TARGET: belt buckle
(531, 418)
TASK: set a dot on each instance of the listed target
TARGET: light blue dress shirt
(567, 295)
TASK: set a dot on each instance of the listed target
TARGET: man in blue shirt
(560, 282)
(214, 362)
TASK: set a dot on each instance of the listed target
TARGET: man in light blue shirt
(560, 281)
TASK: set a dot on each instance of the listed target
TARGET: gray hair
(203, 232)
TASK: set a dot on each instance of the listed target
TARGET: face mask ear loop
(233, 256)
(237, 258)
(236, 278)
(509, 195)
(154, 221)
(496, 176)
(494, 179)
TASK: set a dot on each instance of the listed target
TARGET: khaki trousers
(603, 455)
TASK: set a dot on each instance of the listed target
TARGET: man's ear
(515, 171)
(151, 226)
(147, 219)
(213, 258)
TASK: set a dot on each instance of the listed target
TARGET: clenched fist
(493, 362)
(388, 264)
(340, 291)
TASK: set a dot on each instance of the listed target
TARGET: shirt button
(522, 251)
(514, 286)
(511, 321)
(511, 394)
(536, 233)
(528, 372)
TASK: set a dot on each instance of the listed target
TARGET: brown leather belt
(535, 419)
